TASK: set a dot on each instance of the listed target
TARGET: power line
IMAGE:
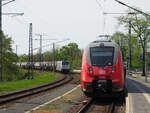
(105, 13)
(51, 44)
(7, 2)
(41, 39)
(40, 35)
(104, 17)
(16, 14)
(132, 8)
(100, 5)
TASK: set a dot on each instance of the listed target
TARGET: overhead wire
(25, 21)
(100, 5)
(104, 15)
(104, 18)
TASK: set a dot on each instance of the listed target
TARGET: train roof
(103, 43)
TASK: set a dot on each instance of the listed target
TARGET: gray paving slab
(23, 107)
(137, 91)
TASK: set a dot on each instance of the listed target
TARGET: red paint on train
(103, 80)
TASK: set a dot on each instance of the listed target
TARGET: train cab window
(65, 63)
(102, 56)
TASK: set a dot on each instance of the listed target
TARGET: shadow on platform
(134, 86)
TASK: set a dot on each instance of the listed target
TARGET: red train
(102, 70)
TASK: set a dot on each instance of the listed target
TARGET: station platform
(138, 95)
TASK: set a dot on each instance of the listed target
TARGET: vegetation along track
(10, 97)
(91, 107)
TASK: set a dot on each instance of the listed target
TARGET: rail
(6, 98)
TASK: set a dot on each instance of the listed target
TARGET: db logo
(102, 72)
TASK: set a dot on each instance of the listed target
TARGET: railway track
(90, 107)
(10, 97)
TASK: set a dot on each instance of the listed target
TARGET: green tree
(10, 70)
(139, 24)
(23, 58)
(71, 53)
(121, 39)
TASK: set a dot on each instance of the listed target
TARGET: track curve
(6, 98)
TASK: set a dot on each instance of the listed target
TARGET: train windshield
(65, 63)
(102, 56)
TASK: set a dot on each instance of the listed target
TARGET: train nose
(101, 70)
(103, 73)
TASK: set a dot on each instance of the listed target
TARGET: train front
(102, 70)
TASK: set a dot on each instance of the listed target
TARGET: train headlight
(113, 69)
(90, 70)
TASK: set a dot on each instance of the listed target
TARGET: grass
(78, 75)
(44, 77)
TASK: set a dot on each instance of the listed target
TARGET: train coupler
(104, 86)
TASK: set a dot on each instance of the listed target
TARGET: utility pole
(41, 56)
(40, 51)
(1, 66)
(53, 57)
(145, 70)
(31, 34)
(16, 49)
(16, 53)
(41, 39)
(144, 56)
(30, 62)
(129, 49)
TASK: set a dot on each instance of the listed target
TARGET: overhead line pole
(17, 53)
(53, 57)
(30, 71)
(1, 73)
(40, 49)
(32, 65)
(41, 56)
(129, 49)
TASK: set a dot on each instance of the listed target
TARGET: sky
(79, 20)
